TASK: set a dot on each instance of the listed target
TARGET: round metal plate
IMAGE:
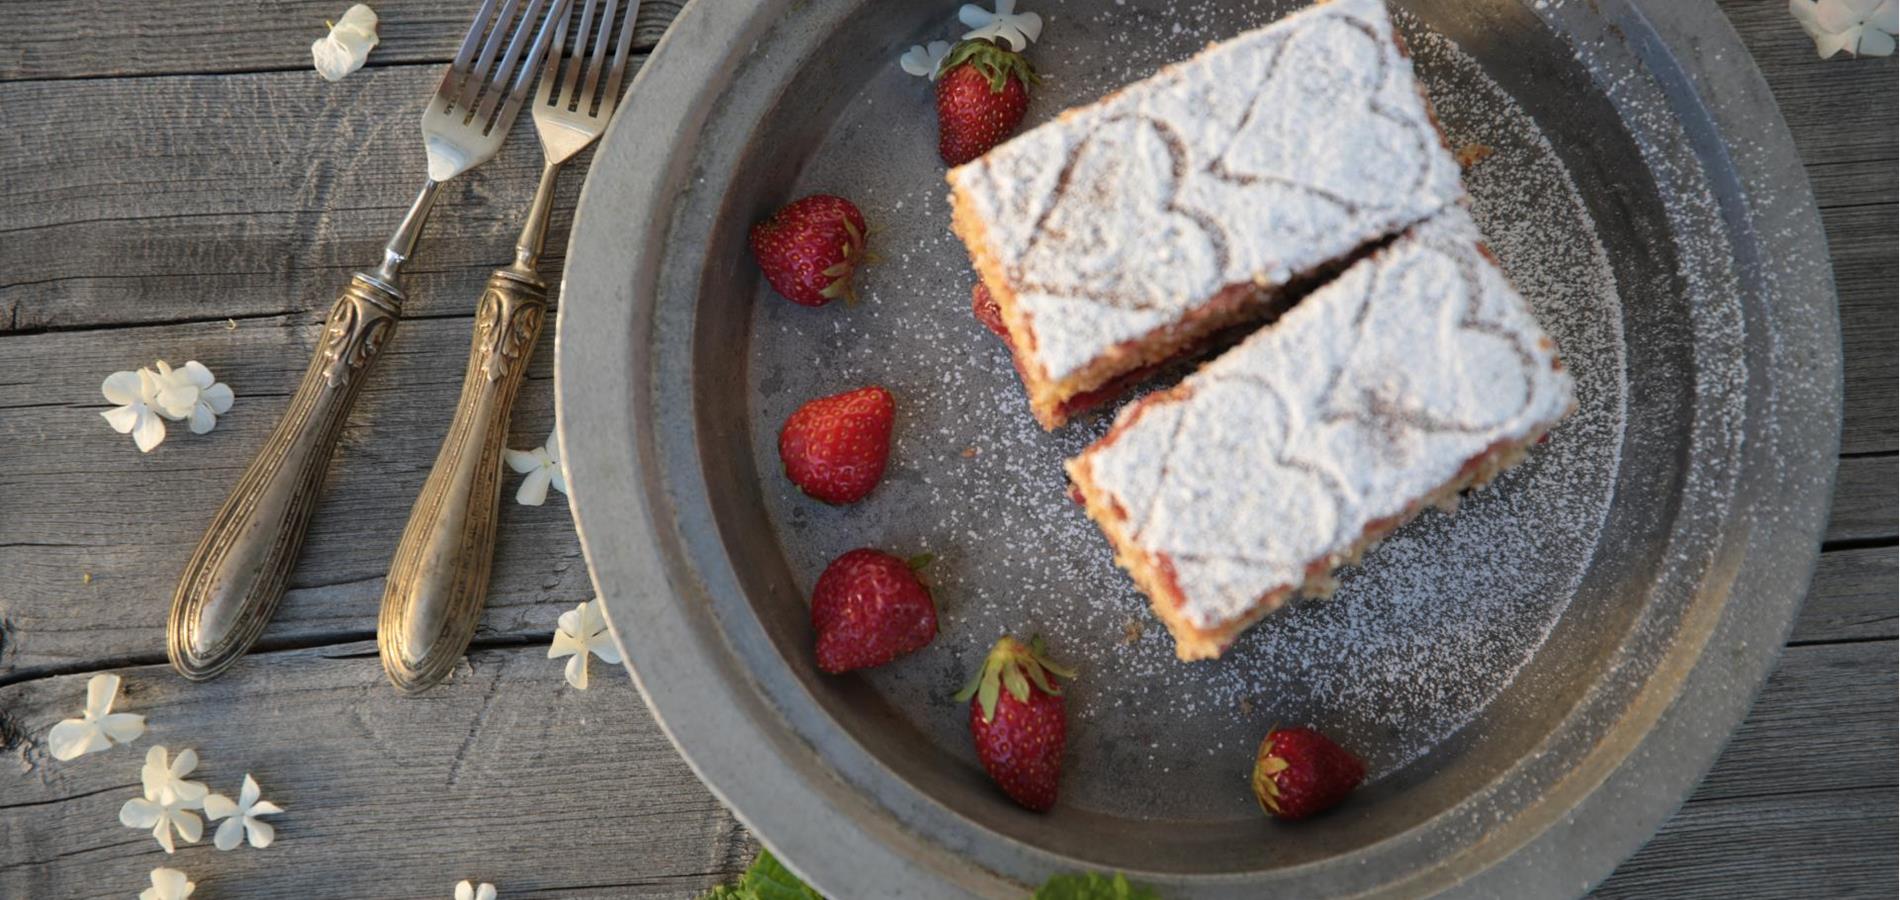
(1537, 681)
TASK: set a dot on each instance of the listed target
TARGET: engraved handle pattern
(237, 575)
(438, 581)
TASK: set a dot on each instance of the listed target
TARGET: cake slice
(1127, 233)
(1416, 374)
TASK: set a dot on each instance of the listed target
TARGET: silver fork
(438, 581)
(237, 575)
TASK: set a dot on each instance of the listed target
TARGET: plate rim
(773, 783)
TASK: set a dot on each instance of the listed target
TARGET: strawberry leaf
(1093, 886)
(986, 695)
(765, 879)
(1017, 684)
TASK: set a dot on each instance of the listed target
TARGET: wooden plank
(1852, 598)
(504, 774)
(94, 38)
(1839, 110)
(1864, 242)
(1801, 804)
(1864, 500)
(83, 502)
(270, 189)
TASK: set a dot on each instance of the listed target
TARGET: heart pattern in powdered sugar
(1117, 184)
(1292, 491)
(1334, 57)
(1431, 362)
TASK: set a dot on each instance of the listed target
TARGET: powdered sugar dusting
(1122, 216)
(1291, 445)
(1417, 642)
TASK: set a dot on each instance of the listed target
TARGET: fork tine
(479, 74)
(551, 72)
(505, 70)
(458, 71)
(611, 95)
(518, 91)
(570, 83)
(596, 61)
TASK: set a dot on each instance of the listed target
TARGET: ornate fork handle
(235, 578)
(438, 581)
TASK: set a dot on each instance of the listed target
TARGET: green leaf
(1017, 684)
(1092, 886)
(986, 694)
(766, 879)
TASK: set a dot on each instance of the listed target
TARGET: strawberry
(834, 448)
(981, 97)
(1017, 720)
(987, 311)
(869, 608)
(810, 249)
(1299, 772)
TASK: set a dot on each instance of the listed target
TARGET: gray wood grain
(1864, 500)
(1801, 804)
(127, 520)
(170, 164)
(504, 774)
(93, 38)
(1852, 598)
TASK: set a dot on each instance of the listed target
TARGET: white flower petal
(189, 826)
(522, 461)
(264, 808)
(121, 388)
(230, 834)
(198, 375)
(100, 690)
(148, 433)
(220, 397)
(203, 419)
(1886, 16)
(534, 488)
(125, 418)
(464, 891)
(176, 398)
(139, 812)
(553, 448)
(168, 884)
(559, 482)
(123, 728)
(185, 763)
(248, 794)
(485, 892)
(605, 648)
(572, 622)
(577, 671)
(73, 738)
(260, 833)
(218, 806)
(155, 773)
(1874, 42)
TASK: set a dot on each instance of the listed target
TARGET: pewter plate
(1536, 681)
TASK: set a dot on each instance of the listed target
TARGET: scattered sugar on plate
(1417, 643)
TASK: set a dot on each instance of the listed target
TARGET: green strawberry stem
(996, 64)
(1013, 666)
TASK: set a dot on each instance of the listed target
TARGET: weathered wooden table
(175, 182)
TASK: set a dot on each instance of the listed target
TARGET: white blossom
(137, 414)
(468, 891)
(1004, 26)
(583, 630)
(925, 61)
(168, 884)
(344, 49)
(169, 799)
(241, 818)
(542, 466)
(1861, 27)
(99, 727)
(192, 393)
